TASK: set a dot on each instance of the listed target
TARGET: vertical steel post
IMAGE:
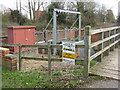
(79, 27)
(54, 30)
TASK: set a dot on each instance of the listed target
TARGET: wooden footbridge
(109, 67)
(108, 52)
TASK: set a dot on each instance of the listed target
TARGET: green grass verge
(40, 79)
(92, 63)
(28, 79)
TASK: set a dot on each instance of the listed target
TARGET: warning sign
(68, 52)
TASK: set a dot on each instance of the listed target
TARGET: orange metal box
(21, 35)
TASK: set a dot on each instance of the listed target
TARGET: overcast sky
(110, 4)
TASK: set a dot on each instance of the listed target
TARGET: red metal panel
(10, 36)
(21, 35)
(30, 36)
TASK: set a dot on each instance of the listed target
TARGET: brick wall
(39, 36)
(61, 35)
(48, 34)
(4, 51)
(8, 61)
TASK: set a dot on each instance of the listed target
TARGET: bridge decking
(109, 67)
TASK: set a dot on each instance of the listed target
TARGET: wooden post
(114, 39)
(66, 33)
(102, 46)
(87, 42)
(49, 59)
(112, 48)
(74, 34)
(108, 43)
(20, 60)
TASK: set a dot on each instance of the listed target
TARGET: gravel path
(103, 84)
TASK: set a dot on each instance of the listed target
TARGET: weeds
(57, 73)
(40, 79)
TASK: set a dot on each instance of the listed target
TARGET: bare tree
(16, 4)
(30, 6)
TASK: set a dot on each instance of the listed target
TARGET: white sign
(68, 52)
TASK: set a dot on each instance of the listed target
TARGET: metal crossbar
(66, 11)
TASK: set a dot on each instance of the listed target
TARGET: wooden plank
(82, 61)
(52, 59)
(103, 30)
(79, 46)
(115, 72)
(49, 59)
(103, 40)
(101, 51)
(79, 59)
(56, 46)
(42, 46)
(105, 74)
(87, 41)
(56, 59)
(20, 59)
(12, 45)
(60, 59)
(35, 58)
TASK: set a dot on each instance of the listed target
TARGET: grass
(78, 63)
(57, 73)
(28, 79)
(40, 79)
(92, 63)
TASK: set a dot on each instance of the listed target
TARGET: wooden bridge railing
(109, 38)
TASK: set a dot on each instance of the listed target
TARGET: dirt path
(43, 65)
(102, 84)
